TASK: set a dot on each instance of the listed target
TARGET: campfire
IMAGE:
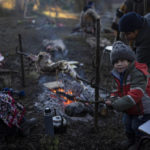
(65, 95)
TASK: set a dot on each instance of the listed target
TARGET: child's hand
(108, 103)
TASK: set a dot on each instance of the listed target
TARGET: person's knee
(127, 122)
(134, 127)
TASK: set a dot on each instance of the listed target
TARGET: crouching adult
(142, 7)
(131, 94)
(137, 29)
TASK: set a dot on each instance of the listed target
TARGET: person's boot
(127, 143)
(136, 143)
(27, 125)
(133, 147)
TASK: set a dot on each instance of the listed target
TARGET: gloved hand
(119, 13)
(109, 104)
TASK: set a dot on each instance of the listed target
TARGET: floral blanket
(11, 112)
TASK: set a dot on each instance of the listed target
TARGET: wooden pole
(145, 7)
(97, 80)
(21, 60)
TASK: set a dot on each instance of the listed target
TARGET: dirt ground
(79, 135)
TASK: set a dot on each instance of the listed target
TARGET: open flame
(68, 92)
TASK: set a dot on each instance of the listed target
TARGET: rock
(75, 109)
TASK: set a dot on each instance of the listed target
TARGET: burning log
(68, 95)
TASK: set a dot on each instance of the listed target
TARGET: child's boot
(127, 143)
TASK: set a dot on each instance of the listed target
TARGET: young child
(131, 90)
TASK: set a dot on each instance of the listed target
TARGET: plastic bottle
(49, 128)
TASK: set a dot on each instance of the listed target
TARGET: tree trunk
(19, 5)
(81, 4)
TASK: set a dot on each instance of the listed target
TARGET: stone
(75, 109)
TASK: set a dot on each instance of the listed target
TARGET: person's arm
(82, 22)
(134, 95)
(119, 13)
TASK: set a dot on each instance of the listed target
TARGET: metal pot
(59, 123)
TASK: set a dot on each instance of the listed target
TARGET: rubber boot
(127, 143)
(136, 143)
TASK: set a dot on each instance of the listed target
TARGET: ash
(51, 100)
(47, 98)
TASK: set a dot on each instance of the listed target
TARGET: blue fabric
(12, 91)
(132, 122)
(130, 22)
(121, 79)
(89, 5)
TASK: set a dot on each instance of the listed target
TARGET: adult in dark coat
(137, 29)
(141, 7)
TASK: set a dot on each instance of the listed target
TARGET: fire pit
(66, 99)
(66, 96)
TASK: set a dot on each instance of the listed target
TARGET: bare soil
(79, 135)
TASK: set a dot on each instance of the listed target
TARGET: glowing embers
(65, 95)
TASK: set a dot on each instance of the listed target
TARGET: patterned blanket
(11, 112)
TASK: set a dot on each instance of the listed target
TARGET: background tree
(19, 5)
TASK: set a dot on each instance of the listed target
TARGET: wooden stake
(97, 80)
(22, 62)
